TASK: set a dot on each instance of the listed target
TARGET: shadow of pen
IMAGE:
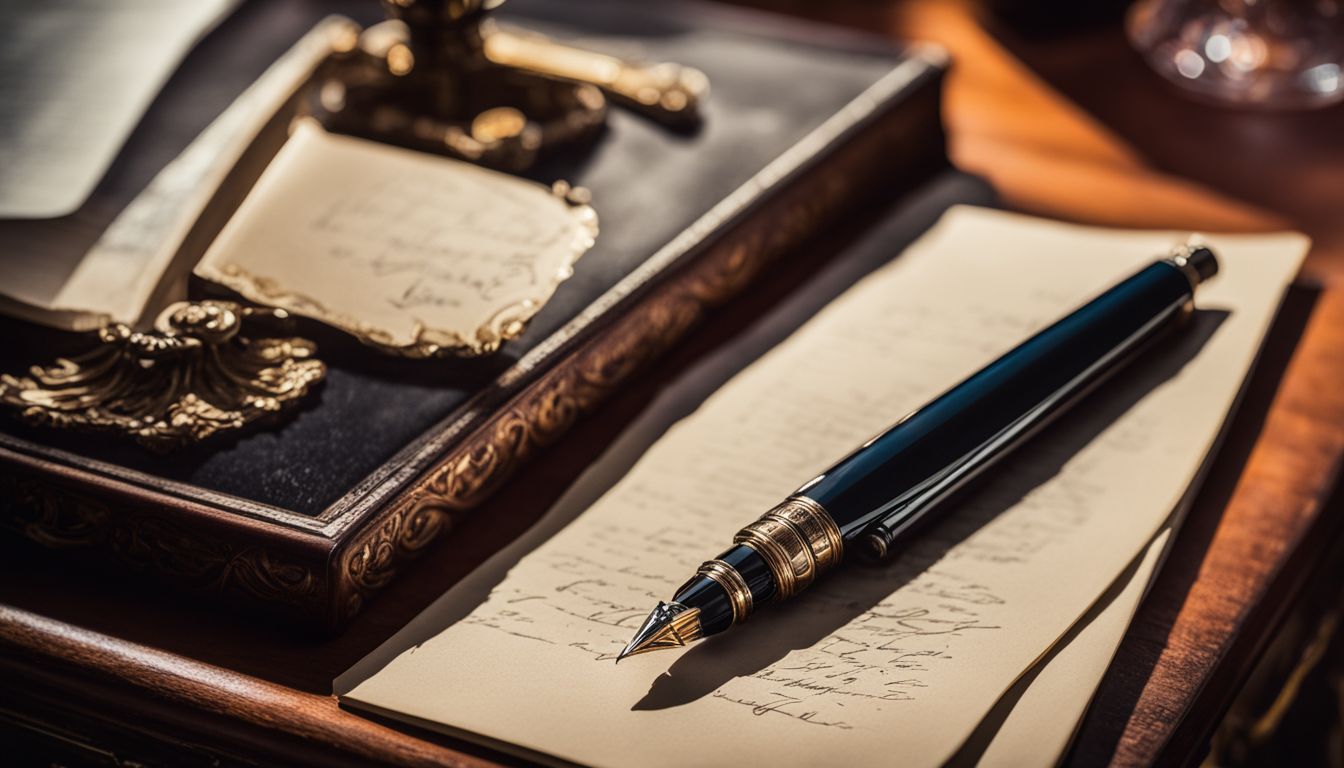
(773, 633)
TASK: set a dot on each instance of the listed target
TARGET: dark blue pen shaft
(886, 488)
(880, 493)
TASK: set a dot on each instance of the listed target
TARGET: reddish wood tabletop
(1074, 126)
(1071, 126)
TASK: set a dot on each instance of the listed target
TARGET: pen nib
(671, 625)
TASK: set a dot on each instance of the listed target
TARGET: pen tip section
(670, 625)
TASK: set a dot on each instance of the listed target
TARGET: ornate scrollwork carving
(260, 573)
(194, 376)
(373, 560)
(57, 516)
(60, 522)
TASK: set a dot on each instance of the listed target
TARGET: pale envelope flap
(412, 253)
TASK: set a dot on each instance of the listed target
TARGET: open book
(907, 659)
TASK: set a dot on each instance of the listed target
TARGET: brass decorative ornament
(666, 92)
(195, 375)
(441, 76)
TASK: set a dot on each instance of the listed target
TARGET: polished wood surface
(1071, 126)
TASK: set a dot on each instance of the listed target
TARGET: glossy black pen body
(884, 491)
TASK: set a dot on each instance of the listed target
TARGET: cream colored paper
(139, 263)
(410, 252)
(75, 79)
(1039, 726)
(871, 665)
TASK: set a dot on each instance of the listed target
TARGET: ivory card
(412, 253)
(868, 664)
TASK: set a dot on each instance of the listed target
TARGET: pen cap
(1204, 262)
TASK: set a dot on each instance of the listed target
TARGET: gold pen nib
(671, 625)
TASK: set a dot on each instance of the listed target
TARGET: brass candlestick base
(194, 376)
(440, 76)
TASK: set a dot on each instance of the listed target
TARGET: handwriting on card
(412, 253)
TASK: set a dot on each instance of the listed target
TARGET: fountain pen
(878, 496)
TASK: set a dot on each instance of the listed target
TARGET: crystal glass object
(1280, 54)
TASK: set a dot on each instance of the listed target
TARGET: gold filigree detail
(194, 376)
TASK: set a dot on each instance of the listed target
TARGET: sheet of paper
(402, 249)
(1035, 720)
(909, 657)
(1042, 711)
(75, 78)
(60, 276)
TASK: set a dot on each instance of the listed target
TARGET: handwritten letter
(872, 666)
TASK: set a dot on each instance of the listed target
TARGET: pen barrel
(888, 487)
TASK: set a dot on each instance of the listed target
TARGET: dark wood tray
(311, 518)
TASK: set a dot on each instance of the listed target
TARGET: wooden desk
(1074, 128)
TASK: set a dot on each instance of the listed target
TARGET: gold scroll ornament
(195, 375)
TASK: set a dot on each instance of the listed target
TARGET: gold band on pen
(739, 594)
(798, 541)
